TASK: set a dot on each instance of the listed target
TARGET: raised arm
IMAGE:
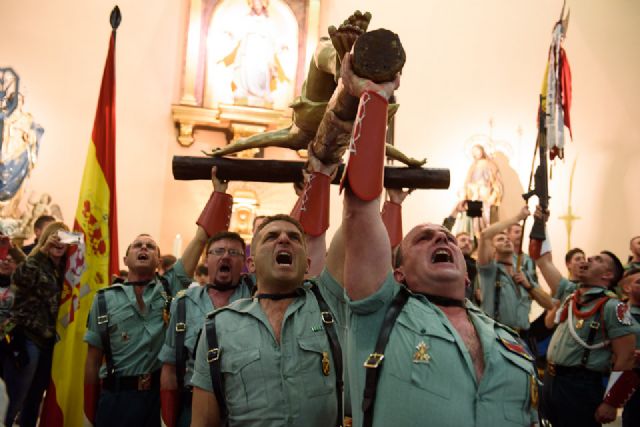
(366, 243)
(215, 217)
(485, 248)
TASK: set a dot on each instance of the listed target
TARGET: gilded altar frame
(235, 121)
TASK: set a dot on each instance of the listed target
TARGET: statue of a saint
(484, 183)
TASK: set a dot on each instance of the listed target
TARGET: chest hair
(275, 313)
(467, 332)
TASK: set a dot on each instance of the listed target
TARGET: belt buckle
(213, 355)
(374, 360)
(103, 319)
(594, 325)
(552, 369)
(144, 382)
(181, 327)
(327, 317)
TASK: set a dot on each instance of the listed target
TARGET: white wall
(469, 62)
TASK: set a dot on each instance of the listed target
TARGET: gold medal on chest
(579, 323)
(326, 366)
(421, 355)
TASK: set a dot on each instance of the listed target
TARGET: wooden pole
(258, 170)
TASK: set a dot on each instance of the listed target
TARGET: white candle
(177, 245)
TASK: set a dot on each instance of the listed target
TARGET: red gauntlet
(169, 407)
(216, 215)
(621, 386)
(364, 172)
(91, 394)
(312, 207)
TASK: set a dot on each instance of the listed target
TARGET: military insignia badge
(421, 355)
(623, 314)
(516, 348)
(579, 323)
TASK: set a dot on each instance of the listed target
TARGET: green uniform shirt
(135, 337)
(271, 384)
(564, 350)
(197, 304)
(635, 312)
(439, 389)
(515, 301)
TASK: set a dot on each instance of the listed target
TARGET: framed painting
(245, 61)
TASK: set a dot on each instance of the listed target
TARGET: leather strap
(594, 325)
(216, 215)
(374, 362)
(213, 357)
(336, 350)
(496, 296)
(103, 330)
(180, 331)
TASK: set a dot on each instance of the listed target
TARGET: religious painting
(252, 52)
(245, 61)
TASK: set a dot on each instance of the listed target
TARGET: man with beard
(429, 357)
(506, 292)
(595, 335)
(127, 324)
(225, 258)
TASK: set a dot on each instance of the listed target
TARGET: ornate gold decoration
(421, 355)
(190, 113)
(245, 205)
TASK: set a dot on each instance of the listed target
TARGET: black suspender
(103, 330)
(181, 327)
(594, 325)
(213, 357)
(374, 361)
(334, 344)
(166, 294)
(496, 296)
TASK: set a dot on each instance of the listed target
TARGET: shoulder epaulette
(611, 294)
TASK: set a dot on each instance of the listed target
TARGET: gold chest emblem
(421, 355)
(580, 324)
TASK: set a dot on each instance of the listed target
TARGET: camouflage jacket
(37, 284)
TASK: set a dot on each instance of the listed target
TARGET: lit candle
(177, 245)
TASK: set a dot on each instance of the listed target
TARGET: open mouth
(224, 268)
(284, 258)
(441, 255)
(143, 256)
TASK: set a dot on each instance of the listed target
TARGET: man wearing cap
(595, 337)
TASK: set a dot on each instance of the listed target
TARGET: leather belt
(573, 371)
(142, 382)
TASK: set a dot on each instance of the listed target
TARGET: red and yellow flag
(92, 262)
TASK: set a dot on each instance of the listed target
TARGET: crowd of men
(377, 330)
(380, 329)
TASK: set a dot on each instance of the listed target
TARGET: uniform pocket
(316, 352)
(419, 355)
(243, 379)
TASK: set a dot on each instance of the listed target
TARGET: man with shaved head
(418, 352)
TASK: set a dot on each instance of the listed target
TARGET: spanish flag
(90, 263)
